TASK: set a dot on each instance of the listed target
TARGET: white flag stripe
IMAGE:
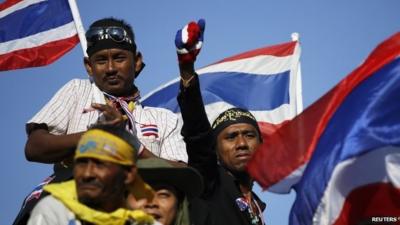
(18, 6)
(160, 87)
(276, 116)
(260, 65)
(375, 163)
(285, 185)
(36, 40)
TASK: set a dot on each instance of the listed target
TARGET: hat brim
(185, 179)
(140, 189)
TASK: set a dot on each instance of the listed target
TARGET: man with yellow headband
(104, 172)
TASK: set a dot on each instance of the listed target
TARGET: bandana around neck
(66, 193)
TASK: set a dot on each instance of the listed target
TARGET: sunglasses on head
(117, 34)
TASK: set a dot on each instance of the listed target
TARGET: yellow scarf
(66, 193)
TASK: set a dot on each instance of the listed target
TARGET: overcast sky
(336, 36)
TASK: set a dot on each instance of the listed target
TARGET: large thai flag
(265, 81)
(352, 135)
(35, 32)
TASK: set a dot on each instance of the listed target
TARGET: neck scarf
(66, 193)
(127, 104)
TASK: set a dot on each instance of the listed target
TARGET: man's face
(236, 144)
(99, 182)
(164, 205)
(113, 71)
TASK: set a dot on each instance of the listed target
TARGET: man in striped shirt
(112, 98)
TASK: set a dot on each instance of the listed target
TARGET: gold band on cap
(232, 115)
(102, 145)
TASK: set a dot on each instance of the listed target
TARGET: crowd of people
(118, 162)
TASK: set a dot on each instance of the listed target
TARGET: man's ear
(139, 64)
(88, 66)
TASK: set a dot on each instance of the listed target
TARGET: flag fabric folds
(35, 32)
(265, 81)
(349, 144)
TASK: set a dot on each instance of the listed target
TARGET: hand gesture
(110, 113)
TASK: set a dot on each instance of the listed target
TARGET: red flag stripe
(44, 54)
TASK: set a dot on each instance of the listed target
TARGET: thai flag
(37, 191)
(149, 130)
(352, 136)
(35, 32)
(265, 81)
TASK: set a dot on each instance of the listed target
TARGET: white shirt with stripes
(64, 114)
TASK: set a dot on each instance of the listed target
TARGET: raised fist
(188, 41)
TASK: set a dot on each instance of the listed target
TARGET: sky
(336, 36)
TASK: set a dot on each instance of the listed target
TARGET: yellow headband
(101, 145)
(104, 146)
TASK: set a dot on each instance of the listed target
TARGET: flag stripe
(63, 32)
(9, 7)
(262, 92)
(149, 129)
(44, 54)
(260, 65)
(348, 172)
(285, 49)
(11, 3)
(274, 116)
(29, 23)
(374, 203)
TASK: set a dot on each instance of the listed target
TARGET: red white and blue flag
(352, 138)
(265, 81)
(149, 130)
(35, 32)
(37, 191)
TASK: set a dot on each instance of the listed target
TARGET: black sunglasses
(117, 34)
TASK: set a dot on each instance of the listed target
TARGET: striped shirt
(158, 129)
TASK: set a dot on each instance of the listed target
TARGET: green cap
(159, 171)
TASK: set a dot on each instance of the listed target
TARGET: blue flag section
(35, 32)
(353, 176)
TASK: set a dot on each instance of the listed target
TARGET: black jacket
(218, 204)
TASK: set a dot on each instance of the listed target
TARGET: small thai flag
(149, 130)
(37, 191)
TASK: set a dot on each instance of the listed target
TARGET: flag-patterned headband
(104, 146)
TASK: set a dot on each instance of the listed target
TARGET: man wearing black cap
(113, 62)
(219, 152)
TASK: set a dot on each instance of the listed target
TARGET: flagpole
(78, 25)
(298, 81)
